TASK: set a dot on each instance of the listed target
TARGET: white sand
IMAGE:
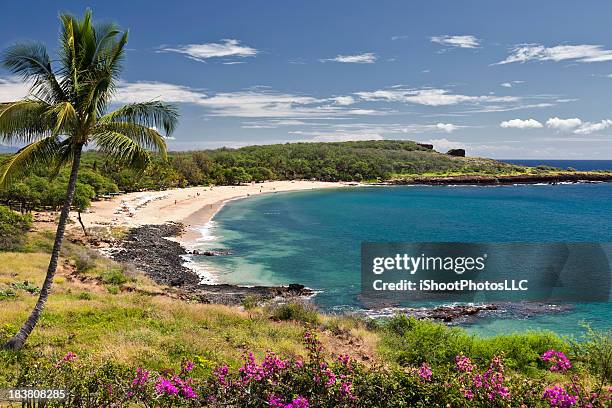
(187, 205)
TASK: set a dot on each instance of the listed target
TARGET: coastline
(185, 205)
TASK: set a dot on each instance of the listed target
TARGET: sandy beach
(191, 206)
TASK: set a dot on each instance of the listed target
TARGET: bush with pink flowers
(317, 379)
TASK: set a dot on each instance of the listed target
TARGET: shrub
(84, 259)
(26, 286)
(250, 302)
(313, 380)
(13, 228)
(595, 351)
(299, 311)
(84, 296)
(113, 276)
(407, 340)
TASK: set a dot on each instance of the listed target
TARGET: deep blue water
(314, 237)
(564, 164)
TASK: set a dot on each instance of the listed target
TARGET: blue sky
(518, 79)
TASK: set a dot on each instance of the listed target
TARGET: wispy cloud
(365, 58)
(460, 41)
(371, 131)
(588, 127)
(521, 124)
(511, 84)
(251, 103)
(446, 127)
(430, 97)
(13, 89)
(202, 52)
(537, 52)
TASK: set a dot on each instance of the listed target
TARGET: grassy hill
(105, 321)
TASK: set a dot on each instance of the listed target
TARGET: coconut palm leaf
(143, 136)
(150, 114)
(43, 151)
(24, 121)
(122, 149)
(31, 62)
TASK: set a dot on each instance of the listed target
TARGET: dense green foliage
(410, 341)
(13, 228)
(342, 161)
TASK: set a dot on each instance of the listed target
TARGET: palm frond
(41, 152)
(24, 121)
(64, 116)
(104, 33)
(68, 56)
(150, 114)
(31, 62)
(145, 137)
(122, 149)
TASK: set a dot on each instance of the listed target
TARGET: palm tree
(67, 110)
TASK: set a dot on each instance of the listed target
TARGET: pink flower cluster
(559, 361)
(464, 364)
(69, 357)
(175, 386)
(558, 397)
(489, 385)
(251, 371)
(425, 372)
(277, 402)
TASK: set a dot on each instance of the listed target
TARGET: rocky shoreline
(578, 177)
(162, 260)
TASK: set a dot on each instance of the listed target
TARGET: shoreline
(183, 204)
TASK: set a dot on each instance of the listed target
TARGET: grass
(98, 313)
(110, 312)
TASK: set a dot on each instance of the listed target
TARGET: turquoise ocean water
(314, 237)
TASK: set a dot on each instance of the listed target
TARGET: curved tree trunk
(81, 222)
(17, 342)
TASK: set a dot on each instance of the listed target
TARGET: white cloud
(578, 126)
(521, 124)
(253, 103)
(343, 137)
(366, 58)
(447, 127)
(461, 41)
(588, 127)
(511, 84)
(343, 100)
(430, 97)
(202, 52)
(444, 144)
(370, 131)
(538, 52)
(128, 92)
(563, 124)
(13, 89)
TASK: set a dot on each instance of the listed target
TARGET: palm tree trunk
(17, 342)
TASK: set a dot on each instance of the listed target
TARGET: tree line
(341, 161)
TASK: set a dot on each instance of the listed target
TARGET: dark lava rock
(426, 145)
(456, 152)
(147, 248)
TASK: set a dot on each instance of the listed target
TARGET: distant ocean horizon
(314, 237)
(584, 165)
